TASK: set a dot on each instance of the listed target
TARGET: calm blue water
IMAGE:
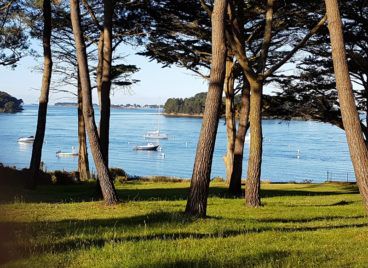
(322, 147)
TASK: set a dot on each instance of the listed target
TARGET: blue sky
(156, 84)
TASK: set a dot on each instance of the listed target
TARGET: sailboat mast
(158, 119)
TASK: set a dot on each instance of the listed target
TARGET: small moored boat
(73, 153)
(29, 139)
(147, 147)
(156, 134)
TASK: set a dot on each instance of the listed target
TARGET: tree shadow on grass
(50, 193)
(310, 219)
(87, 192)
(297, 192)
(69, 232)
(168, 194)
(267, 258)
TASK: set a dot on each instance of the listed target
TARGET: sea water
(292, 151)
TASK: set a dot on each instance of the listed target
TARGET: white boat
(156, 134)
(73, 153)
(147, 147)
(29, 139)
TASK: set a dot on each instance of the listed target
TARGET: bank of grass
(300, 225)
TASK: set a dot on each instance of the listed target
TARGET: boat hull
(156, 137)
(147, 148)
(26, 140)
(61, 154)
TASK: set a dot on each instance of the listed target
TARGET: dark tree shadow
(85, 192)
(267, 257)
(304, 192)
(89, 227)
(310, 219)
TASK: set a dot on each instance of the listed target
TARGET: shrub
(217, 179)
(114, 172)
(63, 177)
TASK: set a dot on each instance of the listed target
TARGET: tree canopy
(10, 104)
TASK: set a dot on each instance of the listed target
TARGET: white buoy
(298, 154)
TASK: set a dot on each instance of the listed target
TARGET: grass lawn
(300, 225)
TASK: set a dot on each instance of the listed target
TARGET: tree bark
(350, 116)
(83, 165)
(229, 118)
(99, 68)
(106, 80)
(252, 188)
(198, 193)
(107, 187)
(235, 181)
(44, 97)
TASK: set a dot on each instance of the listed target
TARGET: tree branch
(206, 8)
(314, 30)
(267, 36)
(92, 14)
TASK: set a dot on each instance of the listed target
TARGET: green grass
(300, 225)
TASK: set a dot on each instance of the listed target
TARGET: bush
(217, 179)
(118, 174)
(63, 177)
(164, 179)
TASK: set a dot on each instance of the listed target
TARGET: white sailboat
(29, 139)
(156, 134)
(73, 153)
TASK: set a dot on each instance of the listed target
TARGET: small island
(191, 107)
(10, 104)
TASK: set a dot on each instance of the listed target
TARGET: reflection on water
(295, 150)
(25, 147)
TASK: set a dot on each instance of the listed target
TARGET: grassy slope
(298, 226)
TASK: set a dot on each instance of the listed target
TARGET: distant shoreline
(121, 107)
(297, 118)
(182, 115)
(113, 106)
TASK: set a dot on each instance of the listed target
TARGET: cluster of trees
(275, 106)
(258, 63)
(192, 106)
(9, 104)
(239, 46)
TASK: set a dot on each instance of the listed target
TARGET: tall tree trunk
(235, 181)
(107, 187)
(44, 98)
(99, 68)
(229, 118)
(106, 80)
(252, 188)
(198, 193)
(83, 165)
(350, 116)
